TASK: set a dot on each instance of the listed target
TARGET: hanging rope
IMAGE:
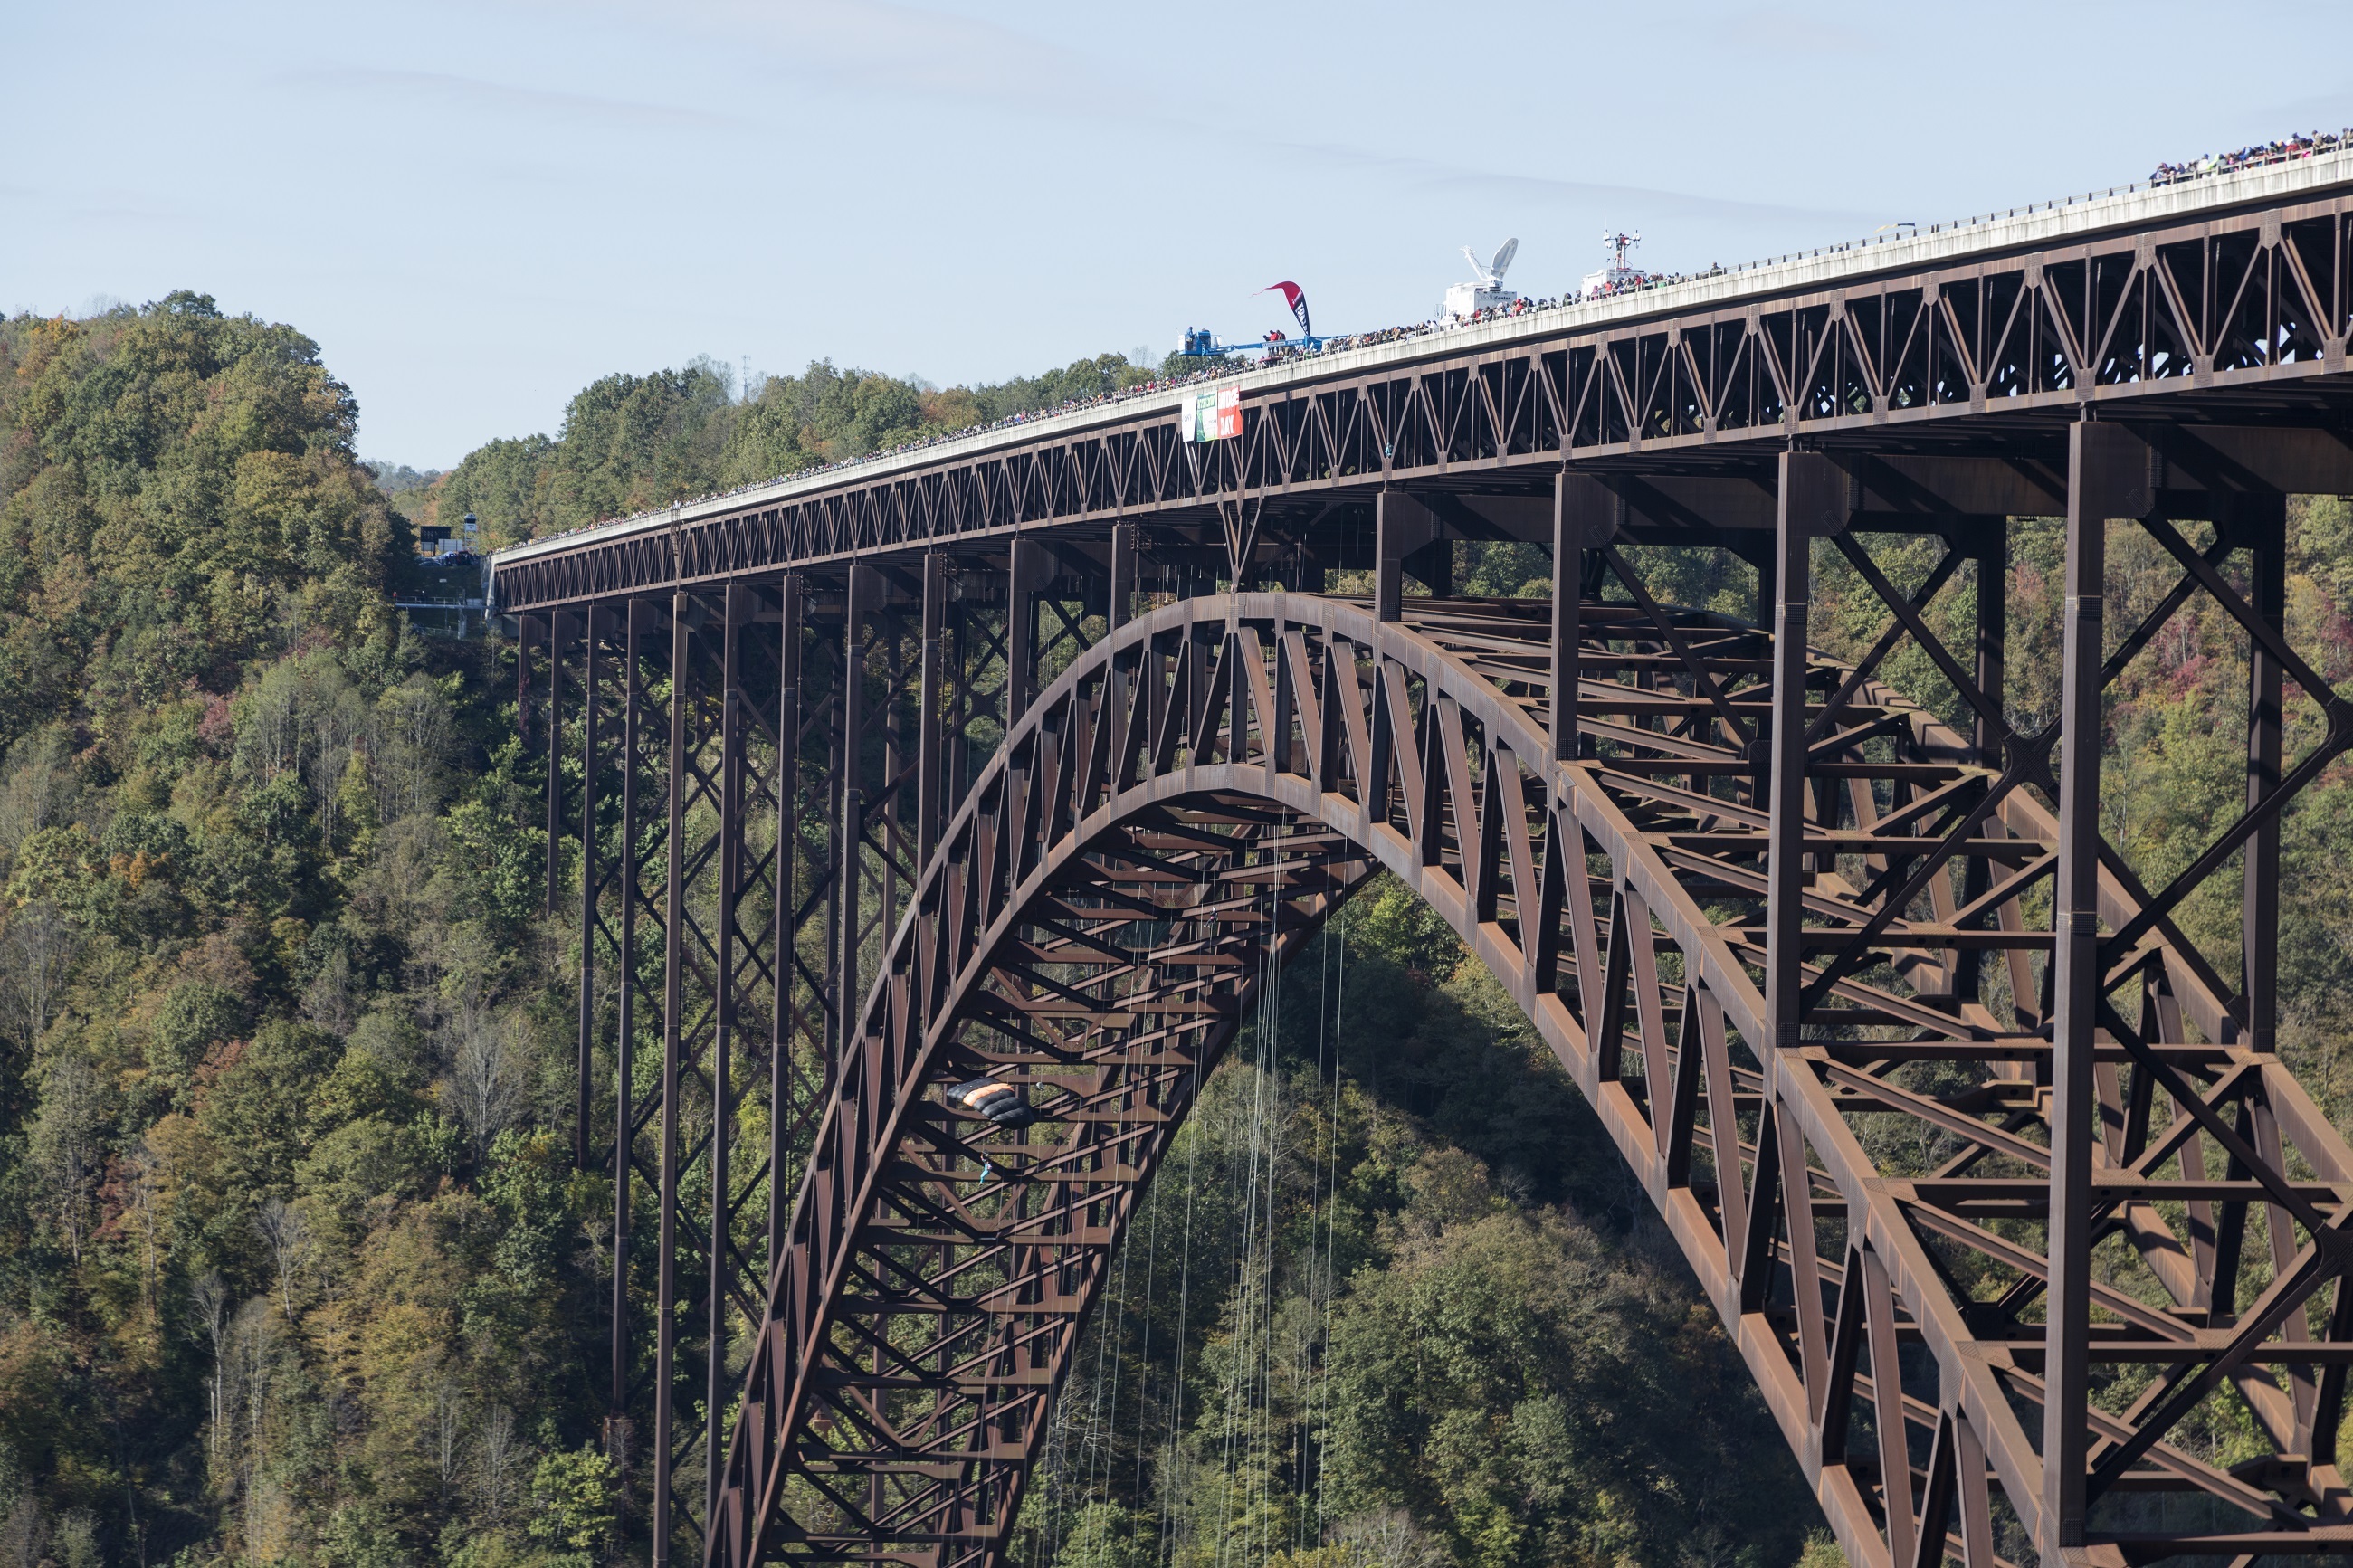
(1249, 1403)
(1331, 1219)
(1310, 1363)
(1143, 1356)
(1170, 1474)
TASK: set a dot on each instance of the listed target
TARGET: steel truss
(2249, 304)
(1994, 1176)
(739, 786)
(1757, 903)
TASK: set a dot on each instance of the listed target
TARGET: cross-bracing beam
(994, 818)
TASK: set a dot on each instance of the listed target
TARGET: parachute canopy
(1001, 1103)
(1296, 298)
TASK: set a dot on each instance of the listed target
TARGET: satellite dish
(1491, 272)
(1485, 291)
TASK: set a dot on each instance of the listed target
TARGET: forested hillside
(634, 441)
(293, 1267)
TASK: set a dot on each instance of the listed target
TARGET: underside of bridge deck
(849, 821)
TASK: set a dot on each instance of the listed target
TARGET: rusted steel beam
(1024, 580)
(557, 625)
(2223, 337)
(1741, 898)
(931, 733)
(673, 1076)
(2107, 476)
(719, 1307)
(787, 1031)
(592, 878)
(2260, 520)
(637, 627)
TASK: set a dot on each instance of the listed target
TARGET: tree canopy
(631, 442)
(294, 1266)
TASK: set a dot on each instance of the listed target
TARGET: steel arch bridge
(1034, 794)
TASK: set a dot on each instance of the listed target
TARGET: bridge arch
(1186, 805)
(2134, 1209)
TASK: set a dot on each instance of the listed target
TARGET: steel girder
(1766, 906)
(2237, 316)
(761, 769)
(1822, 915)
(679, 818)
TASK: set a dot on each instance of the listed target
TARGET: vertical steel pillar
(863, 601)
(524, 628)
(890, 818)
(931, 777)
(554, 757)
(1992, 677)
(1992, 634)
(1401, 525)
(1030, 569)
(786, 1019)
(637, 623)
(591, 779)
(718, 1297)
(2262, 529)
(2107, 476)
(1812, 505)
(1583, 516)
(1123, 574)
(681, 695)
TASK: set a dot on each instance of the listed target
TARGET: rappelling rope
(1252, 1413)
(1308, 1361)
(1169, 1475)
(1331, 1218)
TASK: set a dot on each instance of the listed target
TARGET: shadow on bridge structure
(1030, 757)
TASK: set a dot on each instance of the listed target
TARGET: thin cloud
(1779, 29)
(472, 92)
(885, 47)
(1427, 174)
(889, 47)
(110, 205)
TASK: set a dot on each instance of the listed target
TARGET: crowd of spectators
(1277, 349)
(2298, 144)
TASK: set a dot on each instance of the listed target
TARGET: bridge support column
(592, 782)
(681, 696)
(1123, 543)
(637, 626)
(930, 732)
(2261, 528)
(1812, 506)
(1584, 516)
(556, 626)
(2107, 476)
(525, 627)
(1026, 578)
(861, 610)
(1402, 526)
(783, 1114)
(1992, 557)
(719, 1290)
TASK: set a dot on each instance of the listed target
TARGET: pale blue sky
(477, 207)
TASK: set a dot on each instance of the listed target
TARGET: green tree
(571, 1506)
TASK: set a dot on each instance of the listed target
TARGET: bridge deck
(2185, 292)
